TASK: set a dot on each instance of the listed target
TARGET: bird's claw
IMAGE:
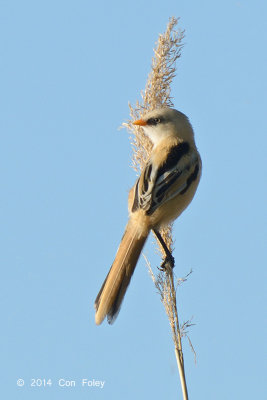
(167, 263)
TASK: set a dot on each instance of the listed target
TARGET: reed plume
(157, 93)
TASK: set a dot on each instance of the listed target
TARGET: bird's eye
(153, 121)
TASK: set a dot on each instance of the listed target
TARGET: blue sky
(68, 71)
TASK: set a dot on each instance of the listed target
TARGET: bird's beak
(140, 122)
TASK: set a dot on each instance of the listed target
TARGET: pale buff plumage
(165, 188)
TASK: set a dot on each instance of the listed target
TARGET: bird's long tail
(111, 294)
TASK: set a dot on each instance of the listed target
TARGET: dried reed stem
(157, 93)
(164, 282)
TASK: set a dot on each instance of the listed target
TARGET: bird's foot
(167, 263)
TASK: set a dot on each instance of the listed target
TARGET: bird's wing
(159, 184)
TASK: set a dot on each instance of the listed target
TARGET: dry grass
(157, 93)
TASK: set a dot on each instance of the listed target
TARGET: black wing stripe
(147, 178)
(148, 171)
(136, 201)
(174, 156)
(191, 179)
(159, 195)
(167, 183)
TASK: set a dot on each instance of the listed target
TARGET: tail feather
(111, 294)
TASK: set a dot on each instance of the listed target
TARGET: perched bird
(164, 189)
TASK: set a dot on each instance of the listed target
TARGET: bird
(165, 187)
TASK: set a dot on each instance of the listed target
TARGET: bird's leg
(169, 259)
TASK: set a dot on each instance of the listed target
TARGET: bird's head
(163, 122)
